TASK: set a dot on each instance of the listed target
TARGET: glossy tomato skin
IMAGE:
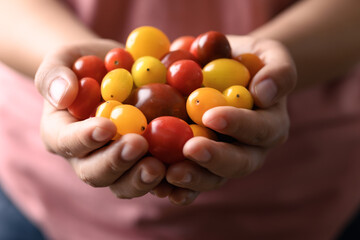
(147, 70)
(118, 58)
(166, 137)
(182, 43)
(158, 99)
(174, 56)
(117, 85)
(128, 119)
(251, 61)
(90, 66)
(147, 41)
(210, 46)
(185, 75)
(87, 100)
(201, 100)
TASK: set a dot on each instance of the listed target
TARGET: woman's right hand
(99, 162)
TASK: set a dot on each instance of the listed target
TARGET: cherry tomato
(128, 119)
(251, 61)
(148, 70)
(194, 46)
(174, 56)
(147, 41)
(223, 73)
(117, 85)
(182, 43)
(158, 99)
(87, 100)
(201, 100)
(203, 132)
(166, 137)
(104, 109)
(118, 58)
(185, 76)
(213, 45)
(89, 66)
(239, 96)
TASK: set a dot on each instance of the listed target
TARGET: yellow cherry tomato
(223, 73)
(201, 100)
(239, 96)
(147, 41)
(147, 70)
(104, 109)
(116, 85)
(128, 119)
(203, 132)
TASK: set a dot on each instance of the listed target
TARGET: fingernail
(266, 91)
(129, 153)
(187, 178)
(100, 134)
(190, 197)
(147, 177)
(201, 155)
(57, 89)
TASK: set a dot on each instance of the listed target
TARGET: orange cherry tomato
(128, 119)
(201, 131)
(201, 100)
(251, 61)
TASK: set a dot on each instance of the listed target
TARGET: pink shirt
(307, 188)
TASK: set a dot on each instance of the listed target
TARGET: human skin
(125, 171)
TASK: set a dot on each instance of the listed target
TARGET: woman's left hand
(210, 164)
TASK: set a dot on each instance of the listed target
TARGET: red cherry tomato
(166, 137)
(194, 46)
(174, 56)
(87, 100)
(182, 43)
(212, 45)
(89, 66)
(185, 76)
(118, 58)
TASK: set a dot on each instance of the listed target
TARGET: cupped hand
(98, 161)
(210, 164)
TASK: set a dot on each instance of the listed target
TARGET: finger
(55, 80)
(104, 166)
(223, 159)
(189, 175)
(140, 179)
(263, 128)
(182, 196)
(277, 78)
(162, 190)
(70, 138)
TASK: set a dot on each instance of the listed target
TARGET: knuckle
(86, 178)
(63, 148)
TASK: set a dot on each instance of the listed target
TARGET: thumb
(56, 81)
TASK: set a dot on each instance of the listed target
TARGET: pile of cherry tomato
(161, 89)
